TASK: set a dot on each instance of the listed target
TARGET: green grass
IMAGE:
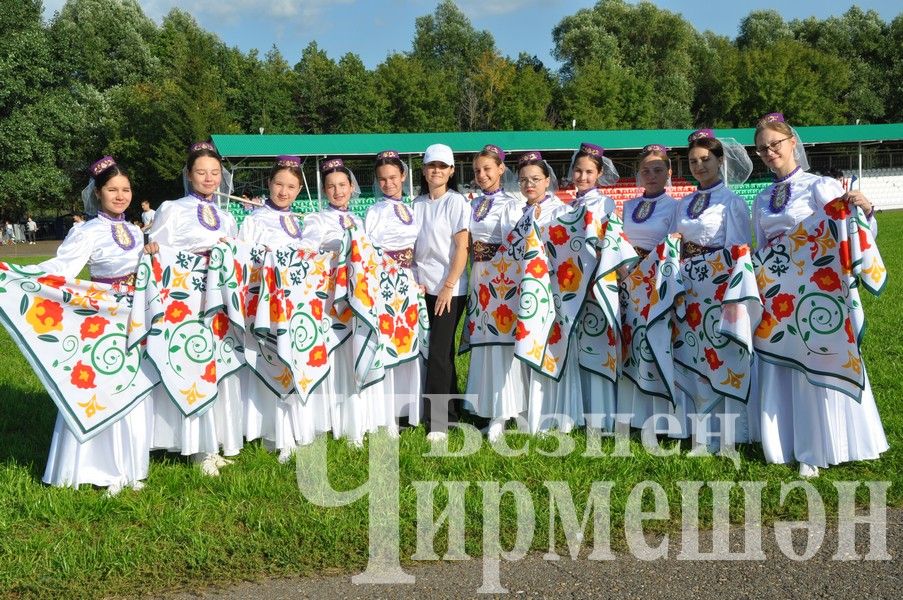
(187, 531)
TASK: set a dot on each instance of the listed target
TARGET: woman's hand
(151, 248)
(857, 198)
(443, 301)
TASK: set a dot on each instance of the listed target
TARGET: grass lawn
(185, 531)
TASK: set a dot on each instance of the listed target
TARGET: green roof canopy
(267, 146)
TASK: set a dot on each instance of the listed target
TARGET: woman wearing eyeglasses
(813, 425)
(712, 218)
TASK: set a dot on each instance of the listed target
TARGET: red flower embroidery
(782, 306)
(588, 218)
(863, 239)
(176, 312)
(317, 356)
(316, 309)
(569, 276)
(826, 279)
(210, 372)
(83, 376)
(239, 273)
(253, 299)
(220, 325)
(558, 235)
(470, 326)
(555, 334)
(355, 252)
(412, 316)
(537, 268)
(846, 258)
(54, 281)
(712, 357)
(520, 332)
(341, 277)
(484, 296)
(837, 209)
(694, 315)
(738, 251)
(719, 291)
(157, 269)
(848, 327)
(93, 327)
(766, 326)
(403, 339)
(626, 337)
(269, 275)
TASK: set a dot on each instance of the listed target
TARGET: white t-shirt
(31, 225)
(147, 216)
(434, 250)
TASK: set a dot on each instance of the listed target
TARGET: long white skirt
(228, 412)
(812, 424)
(496, 382)
(636, 407)
(119, 455)
(397, 395)
(562, 399)
(599, 400)
(694, 393)
(348, 411)
(259, 409)
(285, 422)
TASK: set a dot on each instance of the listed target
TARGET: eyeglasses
(773, 146)
(530, 180)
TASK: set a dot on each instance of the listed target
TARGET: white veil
(609, 174)
(331, 165)
(377, 192)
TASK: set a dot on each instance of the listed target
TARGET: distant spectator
(31, 230)
(147, 218)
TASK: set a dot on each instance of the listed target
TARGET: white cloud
(480, 8)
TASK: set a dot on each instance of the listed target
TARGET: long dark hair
(107, 174)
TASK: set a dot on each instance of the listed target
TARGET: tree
(315, 92)
(447, 39)
(417, 98)
(359, 106)
(762, 28)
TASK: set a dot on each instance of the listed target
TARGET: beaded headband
(495, 150)
(201, 146)
(285, 160)
(700, 134)
(388, 154)
(331, 165)
(650, 148)
(101, 165)
(592, 149)
(528, 157)
(774, 117)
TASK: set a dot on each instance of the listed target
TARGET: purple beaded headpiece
(592, 149)
(388, 154)
(700, 134)
(285, 160)
(331, 164)
(528, 157)
(495, 150)
(101, 165)
(649, 148)
(774, 117)
(201, 146)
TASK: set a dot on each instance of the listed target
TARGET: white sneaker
(358, 443)
(495, 431)
(208, 464)
(808, 471)
(137, 485)
(113, 490)
(285, 455)
(436, 436)
(221, 461)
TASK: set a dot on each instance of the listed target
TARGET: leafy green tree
(762, 28)
(314, 94)
(447, 39)
(359, 106)
(418, 98)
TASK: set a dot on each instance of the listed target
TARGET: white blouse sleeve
(737, 225)
(248, 231)
(72, 255)
(757, 222)
(163, 227)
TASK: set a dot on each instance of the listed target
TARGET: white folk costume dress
(802, 421)
(721, 221)
(496, 381)
(599, 394)
(284, 421)
(119, 455)
(392, 225)
(546, 397)
(346, 408)
(196, 225)
(647, 222)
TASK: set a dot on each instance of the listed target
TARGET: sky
(373, 29)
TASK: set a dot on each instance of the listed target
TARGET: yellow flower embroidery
(503, 265)
(875, 271)
(536, 351)
(762, 278)
(549, 364)
(717, 264)
(853, 363)
(799, 237)
(611, 364)
(91, 406)
(180, 278)
(285, 378)
(304, 383)
(733, 379)
(192, 394)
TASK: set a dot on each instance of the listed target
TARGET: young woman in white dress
(803, 422)
(195, 223)
(496, 380)
(647, 221)
(391, 224)
(286, 422)
(111, 247)
(550, 404)
(348, 406)
(713, 218)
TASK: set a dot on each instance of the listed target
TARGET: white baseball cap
(439, 153)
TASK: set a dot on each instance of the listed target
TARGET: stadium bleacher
(883, 187)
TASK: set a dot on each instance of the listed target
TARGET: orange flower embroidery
(569, 276)
(504, 318)
(403, 339)
(318, 356)
(782, 306)
(316, 309)
(176, 312)
(45, 316)
(210, 372)
(412, 316)
(54, 281)
(558, 235)
(83, 376)
(520, 332)
(826, 279)
(537, 268)
(220, 325)
(386, 324)
(712, 357)
(484, 296)
(766, 326)
(694, 315)
(93, 327)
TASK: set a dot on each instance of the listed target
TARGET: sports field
(184, 530)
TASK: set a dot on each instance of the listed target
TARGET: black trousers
(441, 376)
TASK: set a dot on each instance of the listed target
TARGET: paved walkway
(625, 577)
